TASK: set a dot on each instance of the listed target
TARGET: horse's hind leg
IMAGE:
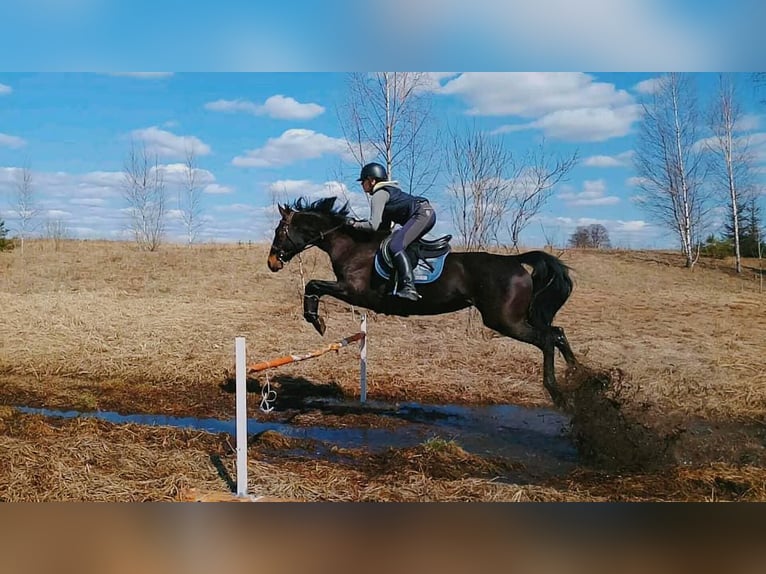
(562, 344)
(542, 339)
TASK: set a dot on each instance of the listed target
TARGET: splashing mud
(606, 427)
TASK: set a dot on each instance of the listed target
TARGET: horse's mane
(322, 206)
(336, 215)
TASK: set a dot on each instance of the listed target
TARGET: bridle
(311, 243)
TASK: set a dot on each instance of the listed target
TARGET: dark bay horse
(510, 300)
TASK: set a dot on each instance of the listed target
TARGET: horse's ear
(283, 210)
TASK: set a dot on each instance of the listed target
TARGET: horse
(511, 301)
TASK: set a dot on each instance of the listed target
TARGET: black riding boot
(406, 288)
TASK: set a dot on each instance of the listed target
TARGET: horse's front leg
(314, 290)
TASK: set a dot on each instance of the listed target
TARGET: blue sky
(259, 132)
(241, 35)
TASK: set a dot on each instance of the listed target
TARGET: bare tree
(668, 161)
(190, 198)
(26, 205)
(491, 191)
(481, 184)
(594, 236)
(144, 191)
(533, 186)
(56, 231)
(759, 79)
(733, 160)
(387, 116)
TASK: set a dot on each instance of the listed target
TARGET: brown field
(99, 326)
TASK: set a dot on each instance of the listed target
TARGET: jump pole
(242, 369)
(241, 394)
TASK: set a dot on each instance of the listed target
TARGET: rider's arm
(377, 204)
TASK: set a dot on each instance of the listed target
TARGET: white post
(363, 361)
(241, 363)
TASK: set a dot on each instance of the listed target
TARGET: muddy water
(537, 438)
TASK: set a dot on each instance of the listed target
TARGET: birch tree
(387, 118)
(481, 182)
(190, 198)
(732, 163)
(668, 161)
(144, 191)
(25, 204)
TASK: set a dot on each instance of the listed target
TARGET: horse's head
(301, 226)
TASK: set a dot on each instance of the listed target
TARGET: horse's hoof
(319, 326)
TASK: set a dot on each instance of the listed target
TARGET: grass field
(103, 326)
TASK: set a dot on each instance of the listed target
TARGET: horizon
(259, 135)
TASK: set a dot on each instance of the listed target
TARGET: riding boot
(406, 288)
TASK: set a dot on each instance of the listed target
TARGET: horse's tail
(551, 285)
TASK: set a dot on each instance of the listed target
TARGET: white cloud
(11, 141)
(557, 34)
(649, 86)
(88, 201)
(278, 107)
(216, 189)
(176, 174)
(143, 75)
(57, 214)
(307, 188)
(568, 106)
(5, 90)
(432, 81)
(593, 194)
(92, 204)
(619, 160)
(635, 225)
(532, 94)
(636, 181)
(588, 124)
(237, 208)
(754, 143)
(747, 123)
(293, 145)
(168, 144)
(757, 143)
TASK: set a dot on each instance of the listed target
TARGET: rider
(389, 204)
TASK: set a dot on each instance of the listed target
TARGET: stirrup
(410, 294)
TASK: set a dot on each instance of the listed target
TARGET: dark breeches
(421, 222)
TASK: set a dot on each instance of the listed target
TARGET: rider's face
(367, 185)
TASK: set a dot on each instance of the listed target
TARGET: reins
(310, 243)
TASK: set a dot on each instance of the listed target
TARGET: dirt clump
(610, 429)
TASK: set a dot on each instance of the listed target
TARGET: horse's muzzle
(275, 263)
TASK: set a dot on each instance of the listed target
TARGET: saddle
(426, 256)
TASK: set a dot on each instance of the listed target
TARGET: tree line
(692, 162)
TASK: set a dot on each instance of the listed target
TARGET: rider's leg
(418, 225)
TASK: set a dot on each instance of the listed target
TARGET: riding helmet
(374, 170)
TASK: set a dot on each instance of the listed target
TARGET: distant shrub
(5, 244)
(717, 248)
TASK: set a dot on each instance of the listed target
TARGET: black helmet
(374, 170)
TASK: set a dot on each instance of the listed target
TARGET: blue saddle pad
(421, 272)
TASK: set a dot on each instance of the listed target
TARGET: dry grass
(99, 325)
(106, 322)
(85, 459)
